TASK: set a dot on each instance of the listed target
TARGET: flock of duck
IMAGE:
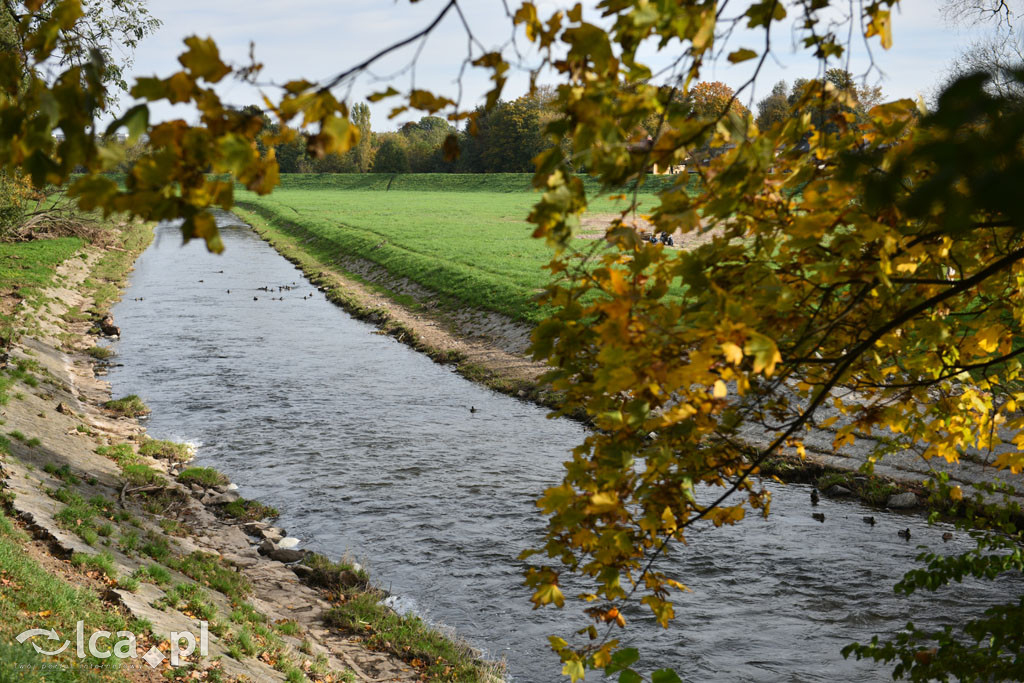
(870, 520)
(277, 289)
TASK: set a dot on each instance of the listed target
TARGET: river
(370, 450)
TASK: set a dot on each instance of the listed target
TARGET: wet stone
(902, 501)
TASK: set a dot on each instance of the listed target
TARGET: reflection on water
(369, 449)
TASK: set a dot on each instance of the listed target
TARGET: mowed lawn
(472, 245)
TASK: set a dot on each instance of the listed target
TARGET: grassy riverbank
(463, 237)
(103, 524)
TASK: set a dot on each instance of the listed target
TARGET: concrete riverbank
(162, 548)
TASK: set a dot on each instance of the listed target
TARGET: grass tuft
(206, 477)
(140, 475)
(165, 450)
(407, 636)
(246, 510)
(99, 352)
(128, 406)
(121, 453)
(103, 562)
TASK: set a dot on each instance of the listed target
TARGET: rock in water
(288, 542)
(108, 327)
(902, 501)
(837, 491)
(286, 555)
(223, 498)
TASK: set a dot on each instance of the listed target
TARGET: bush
(13, 195)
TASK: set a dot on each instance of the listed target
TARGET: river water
(370, 450)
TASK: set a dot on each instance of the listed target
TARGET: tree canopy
(866, 258)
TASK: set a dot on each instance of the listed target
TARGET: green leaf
(378, 96)
(621, 660)
(149, 88)
(237, 153)
(741, 55)
(136, 120)
(203, 59)
(665, 676)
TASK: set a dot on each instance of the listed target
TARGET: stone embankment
(165, 543)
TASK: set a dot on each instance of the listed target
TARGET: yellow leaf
(547, 594)
(956, 493)
(602, 502)
(988, 338)
(668, 520)
(765, 352)
(720, 390)
(602, 658)
(880, 25)
(557, 644)
(574, 670)
(732, 353)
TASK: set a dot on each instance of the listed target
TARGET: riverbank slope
(487, 339)
(103, 524)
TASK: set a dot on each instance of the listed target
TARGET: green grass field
(464, 237)
(27, 267)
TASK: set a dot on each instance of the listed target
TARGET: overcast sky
(315, 39)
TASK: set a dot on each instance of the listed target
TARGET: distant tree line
(508, 137)
(502, 140)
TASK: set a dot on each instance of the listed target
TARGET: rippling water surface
(369, 449)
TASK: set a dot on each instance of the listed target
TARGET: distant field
(464, 236)
(443, 182)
